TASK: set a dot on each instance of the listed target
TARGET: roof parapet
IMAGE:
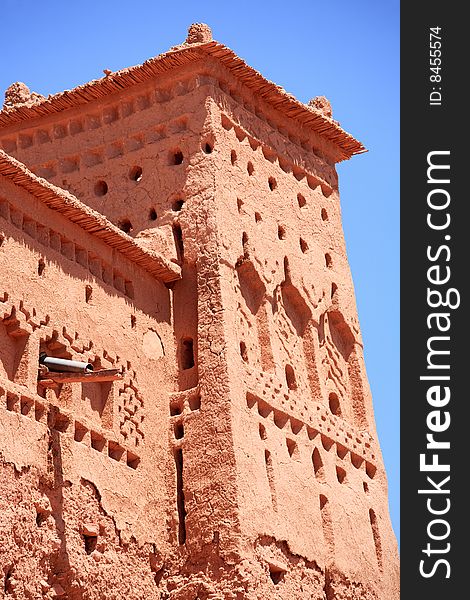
(89, 220)
(198, 45)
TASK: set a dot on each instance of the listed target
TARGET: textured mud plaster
(179, 222)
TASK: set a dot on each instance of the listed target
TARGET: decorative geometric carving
(18, 322)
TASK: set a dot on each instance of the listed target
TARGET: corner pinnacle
(199, 33)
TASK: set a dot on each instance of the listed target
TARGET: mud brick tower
(177, 225)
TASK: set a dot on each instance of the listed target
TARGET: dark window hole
(101, 188)
(281, 232)
(370, 470)
(276, 574)
(195, 402)
(366, 487)
(98, 442)
(303, 245)
(286, 269)
(176, 158)
(132, 460)
(290, 378)
(178, 237)
(250, 168)
(207, 148)
(272, 183)
(41, 267)
(26, 405)
(340, 474)
(133, 321)
(41, 517)
(39, 411)
(280, 419)
(153, 215)
(179, 430)
(135, 174)
(175, 410)
(61, 423)
(264, 409)
(246, 251)
(301, 200)
(187, 353)
(328, 261)
(317, 463)
(243, 352)
(177, 205)
(251, 400)
(334, 404)
(239, 204)
(262, 432)
(7, 587)
(88, 293)
(180, 497)
(90, 543)
(115, 451)
(233, 157)
(80, 432)
(356, 460)
(327, 442)
(257, 217)
(324, 214)
(125, 225)
(334, 287)
(292, 447)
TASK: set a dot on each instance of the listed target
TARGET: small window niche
(187, 353)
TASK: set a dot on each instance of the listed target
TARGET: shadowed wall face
(77, 453)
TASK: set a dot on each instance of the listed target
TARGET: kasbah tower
(177, 225)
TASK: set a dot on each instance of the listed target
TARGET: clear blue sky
(345, 50)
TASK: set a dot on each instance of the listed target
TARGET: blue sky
(347, 51)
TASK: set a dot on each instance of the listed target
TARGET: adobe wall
(311, 481)
(126, 155)
(83, 456)
(275, 485)
(167, 204)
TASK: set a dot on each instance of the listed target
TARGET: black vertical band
(435, 333)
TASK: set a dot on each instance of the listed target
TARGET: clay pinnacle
(321, 104)
(19, 93)
(198, 33)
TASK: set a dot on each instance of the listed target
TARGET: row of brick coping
(88, 219)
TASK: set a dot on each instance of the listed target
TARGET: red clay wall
(311, 481)
(126, 157)
(260, 475)
(86, 454)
